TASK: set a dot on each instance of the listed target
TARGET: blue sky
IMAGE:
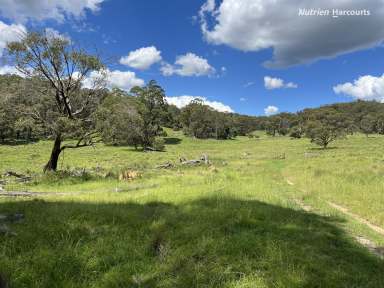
(223, 46)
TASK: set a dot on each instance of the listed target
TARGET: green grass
(234, 226)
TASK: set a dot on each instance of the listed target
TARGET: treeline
(360, 116)
(137, 118)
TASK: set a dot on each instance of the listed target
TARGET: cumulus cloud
(59, 10)
(53, 33)
(9, 33)
(254, 25)
(142, 58)
(276, 83)
(121, 79)
(364, 88)
(182, 101)
(188, 65)
(270, 110)
(6, 69)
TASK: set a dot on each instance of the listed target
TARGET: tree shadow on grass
(172, 140)
(215, 242)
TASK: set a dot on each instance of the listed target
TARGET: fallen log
(165, 166)
(14, 174)
(190, 162)
(20, 177)
(203, 159)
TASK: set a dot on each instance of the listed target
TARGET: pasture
(264, 213)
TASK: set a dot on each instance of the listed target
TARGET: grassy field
(236, 223)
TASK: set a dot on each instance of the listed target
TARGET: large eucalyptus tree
(61, 68)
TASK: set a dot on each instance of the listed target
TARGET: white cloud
(188, 65)
(59, 10)
(242, 99)
(142, 58)
(254, 25)
(52, 33)
(276, 83)
(121, 79)
(182, 101)
(364, 88)
(248, 84)
(10, 33)
(291, 85)
(6, 69)
(270, 110)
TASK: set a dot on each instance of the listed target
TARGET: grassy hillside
(237, 223)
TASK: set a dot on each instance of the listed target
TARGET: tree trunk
(52, 163)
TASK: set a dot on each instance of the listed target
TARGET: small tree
(322, 134)
(297, 132)
(60, 68)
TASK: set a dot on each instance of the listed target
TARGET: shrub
(297, 132)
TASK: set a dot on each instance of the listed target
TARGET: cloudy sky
(253, 57)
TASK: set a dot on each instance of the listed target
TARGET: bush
(297, 132)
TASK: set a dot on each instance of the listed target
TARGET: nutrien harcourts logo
(334, 13)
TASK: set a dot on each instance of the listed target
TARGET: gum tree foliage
(59, 67)
(201, 121)
(118, 120)
(151, 108)
(368, 125)
(171, 118)
(16, 96)
(135, 118)
(277, 125)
